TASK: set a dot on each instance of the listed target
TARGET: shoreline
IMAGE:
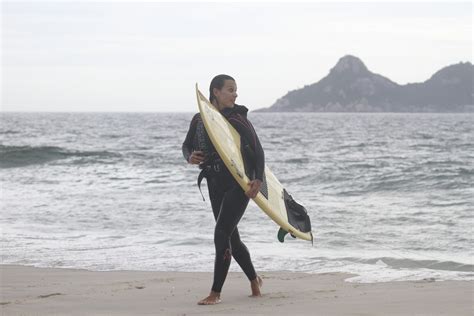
(27, 290)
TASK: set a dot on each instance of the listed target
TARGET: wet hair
(218, 82)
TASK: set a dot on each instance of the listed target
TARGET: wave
(349, 146)
(465, 171)
(425, 136)
(9, 132)
(113, 136)
(443, 162)
(21, 156)
(406, 263)
(297, 160)
(362, 166)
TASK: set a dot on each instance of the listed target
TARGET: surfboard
(273, 199)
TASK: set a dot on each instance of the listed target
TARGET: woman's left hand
(255, 186)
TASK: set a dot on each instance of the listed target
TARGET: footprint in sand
(49, 295)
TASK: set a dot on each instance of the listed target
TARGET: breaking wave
(20, 156)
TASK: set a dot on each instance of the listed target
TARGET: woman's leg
(232, 209)
(216, 194)
(227, 239)
(241, 254)
(239, 250)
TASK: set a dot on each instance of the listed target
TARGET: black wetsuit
(228, 200)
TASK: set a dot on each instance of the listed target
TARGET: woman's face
(227, 95)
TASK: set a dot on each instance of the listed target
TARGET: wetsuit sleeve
(188, 141)
(245, 129)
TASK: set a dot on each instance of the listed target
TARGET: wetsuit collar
(239, 109)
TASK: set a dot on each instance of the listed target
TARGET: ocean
(390, 196)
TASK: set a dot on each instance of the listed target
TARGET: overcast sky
(147, 56)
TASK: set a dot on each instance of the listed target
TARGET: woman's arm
(188, 146)
(245, 129)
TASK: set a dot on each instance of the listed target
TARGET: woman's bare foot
(256, 285)
(213, 299)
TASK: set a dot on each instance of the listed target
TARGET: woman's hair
(217, 82)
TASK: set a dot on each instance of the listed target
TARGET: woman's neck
(220, 107)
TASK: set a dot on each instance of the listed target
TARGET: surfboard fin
(281, 234)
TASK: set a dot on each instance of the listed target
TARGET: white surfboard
(273, 198)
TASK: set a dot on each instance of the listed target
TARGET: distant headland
(351, 87)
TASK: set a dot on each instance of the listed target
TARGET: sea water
(390, 196)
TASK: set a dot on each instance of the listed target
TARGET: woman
(228, 200)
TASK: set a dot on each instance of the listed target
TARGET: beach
(53, 291)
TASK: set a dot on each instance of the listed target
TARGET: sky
(124, 56)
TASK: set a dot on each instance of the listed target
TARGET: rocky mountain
(351, 87)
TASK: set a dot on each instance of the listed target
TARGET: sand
(44, 291)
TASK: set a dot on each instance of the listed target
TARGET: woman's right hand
(196, 157)
(254, 188)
